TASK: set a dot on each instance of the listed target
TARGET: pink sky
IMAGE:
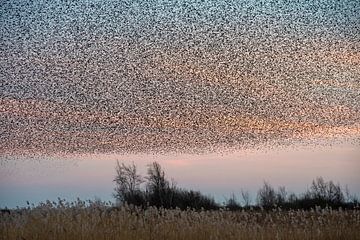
(216, 174)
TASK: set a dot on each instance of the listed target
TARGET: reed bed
(101, 221)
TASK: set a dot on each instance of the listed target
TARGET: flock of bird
(177, 76)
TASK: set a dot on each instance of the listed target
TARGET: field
(101, 221)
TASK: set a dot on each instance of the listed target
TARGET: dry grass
(99, 221)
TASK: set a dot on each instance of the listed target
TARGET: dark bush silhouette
(232, 203)
(156, 190)
(326, 192)
(320, 194)
(184, 199)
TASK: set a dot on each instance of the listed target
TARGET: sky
(173, 77)
(217, 175)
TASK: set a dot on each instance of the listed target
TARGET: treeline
(320, 194)
(156, 190)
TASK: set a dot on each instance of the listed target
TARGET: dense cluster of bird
(162, 76)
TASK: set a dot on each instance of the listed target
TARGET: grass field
(100, 221)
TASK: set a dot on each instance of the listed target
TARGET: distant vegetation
(156, 190)
(320, 194)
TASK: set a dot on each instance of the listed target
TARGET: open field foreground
(75, 221)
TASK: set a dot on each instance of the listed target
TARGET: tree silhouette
(128, 183)
(266, 196)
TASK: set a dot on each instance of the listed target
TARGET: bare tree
(266, 196)
(281, 196)
(326, 191)
(318, 188)
(127, 181)
(157, 185)
(246, 198)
